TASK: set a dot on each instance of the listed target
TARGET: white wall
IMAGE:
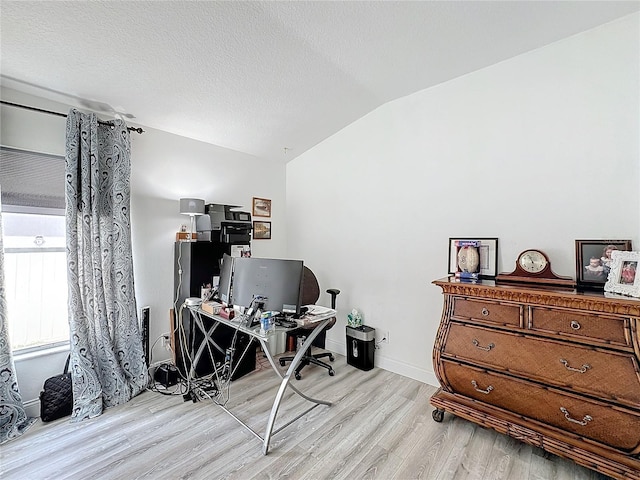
(538, 151)
(165, 167)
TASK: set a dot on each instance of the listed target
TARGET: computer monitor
(280, 281)
(226, 274)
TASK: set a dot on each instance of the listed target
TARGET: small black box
(166, 375)
(361, 346)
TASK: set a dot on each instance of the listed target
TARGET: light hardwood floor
(379, 427)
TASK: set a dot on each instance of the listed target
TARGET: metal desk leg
(207, 341)
(285, 382)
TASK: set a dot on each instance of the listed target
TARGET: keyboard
(283, 322)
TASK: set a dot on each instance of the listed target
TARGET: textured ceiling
(259, 77)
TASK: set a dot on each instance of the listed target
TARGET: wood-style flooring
(379, 427)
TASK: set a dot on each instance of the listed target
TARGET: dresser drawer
(617, 428)
(608, 330)
(497, 313)
(606, 374)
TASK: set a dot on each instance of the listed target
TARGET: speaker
(144, 321)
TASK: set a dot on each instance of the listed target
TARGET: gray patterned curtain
(107, 357)
(13, 418)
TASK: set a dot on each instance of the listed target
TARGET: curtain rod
(34, 109)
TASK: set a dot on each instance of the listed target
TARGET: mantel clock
(533, 267)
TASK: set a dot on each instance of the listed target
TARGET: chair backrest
(310, 295)
(310, 288)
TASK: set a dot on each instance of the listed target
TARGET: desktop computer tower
(361, 346)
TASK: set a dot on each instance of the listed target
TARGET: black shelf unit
(195, 265)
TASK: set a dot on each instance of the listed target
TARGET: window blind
(31, 179)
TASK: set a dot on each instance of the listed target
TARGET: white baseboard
(32, 407)
(391, 365)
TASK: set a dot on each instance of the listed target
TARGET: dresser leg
(438, 414)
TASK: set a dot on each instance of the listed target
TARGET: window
(35, 277)
(35, 269)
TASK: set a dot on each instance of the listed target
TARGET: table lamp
(192, 207)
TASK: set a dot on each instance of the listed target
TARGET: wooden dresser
(555, 369)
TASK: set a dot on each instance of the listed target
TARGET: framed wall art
(261, 207)
(593, 261)
(623, 277)
(261, 230)
(487, 249)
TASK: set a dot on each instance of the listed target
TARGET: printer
(220, 223)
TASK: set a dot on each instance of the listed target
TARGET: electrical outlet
(165, 340)
(382, 336)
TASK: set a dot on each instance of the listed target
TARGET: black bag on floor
(56, 400)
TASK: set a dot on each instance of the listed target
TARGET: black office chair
(310, 295)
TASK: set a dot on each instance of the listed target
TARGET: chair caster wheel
(282, 363)
(331, 358)
(331, 373)
(298, 376)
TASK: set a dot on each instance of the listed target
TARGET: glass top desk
(207, 323)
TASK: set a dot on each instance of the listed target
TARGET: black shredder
(360, 346)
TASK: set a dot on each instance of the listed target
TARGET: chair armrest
(334, 293)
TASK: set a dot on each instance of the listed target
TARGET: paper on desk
(317, 310)
(315, 314)
(307, 320)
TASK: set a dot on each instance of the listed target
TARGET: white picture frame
(623, 277)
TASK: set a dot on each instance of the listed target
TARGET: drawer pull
(476, 343)
(583, 422)
(584, 368)
(485, 312)
(575, 325)
(486, 392)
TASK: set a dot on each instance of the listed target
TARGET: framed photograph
(487, 251)
(622, 275)
(262, 230)
(261, 207)
(593, 261)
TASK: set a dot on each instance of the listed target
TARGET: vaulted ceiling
(271, 79)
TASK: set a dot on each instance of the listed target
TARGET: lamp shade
(191, 206)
